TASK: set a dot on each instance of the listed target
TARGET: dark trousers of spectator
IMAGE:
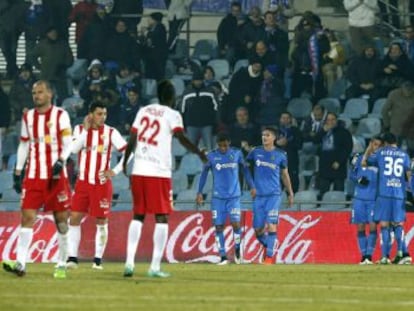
(325, 183)
(361, 37)
(303, 82)
(174, 28)
(390, 14)
(8, 46)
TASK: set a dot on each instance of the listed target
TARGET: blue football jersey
(364, 192)
(267, 166)
(225, 170)
(393, 163)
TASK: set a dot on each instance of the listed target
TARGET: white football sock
(101, 238)
(134, 234)
(63, 249)
(160, 241)
(23, 244)
(74, 237)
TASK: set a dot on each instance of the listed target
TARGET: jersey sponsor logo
(62, 196)
(266, 164)
(104, 203)
(394, 183)
(220, 166)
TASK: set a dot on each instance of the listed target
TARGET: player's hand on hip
(108, 174)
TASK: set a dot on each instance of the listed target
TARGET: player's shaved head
(166, 93)
(45, 83)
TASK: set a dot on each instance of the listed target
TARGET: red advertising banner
(304, 237)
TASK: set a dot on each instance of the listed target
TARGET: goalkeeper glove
(57, 168)
(17, 183)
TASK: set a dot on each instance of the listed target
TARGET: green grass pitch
(211, 287)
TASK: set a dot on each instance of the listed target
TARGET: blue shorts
(221, 208)
(362, 211)
(266, 210)
(389, 209)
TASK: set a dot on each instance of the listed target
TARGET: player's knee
(139, 217)
(161, 218)
(62, 227)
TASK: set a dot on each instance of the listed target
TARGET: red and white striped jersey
(155, 126)
(44, 132)
(96, 152)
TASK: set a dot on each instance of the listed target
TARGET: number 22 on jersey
(149, 131)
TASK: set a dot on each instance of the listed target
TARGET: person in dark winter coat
(336, 147)
(130, 7)
(59, 18)
(82, 14)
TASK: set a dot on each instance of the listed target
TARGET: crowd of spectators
(117, 57)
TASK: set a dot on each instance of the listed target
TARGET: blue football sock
(385, 239)
(372, 240)
(398, 230)
(262, 239)
(237, 238)
(362, 242)
(220, 243)
(271, 244)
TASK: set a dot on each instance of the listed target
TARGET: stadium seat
(368, 127)
(346, 121)
(240, 63)
(355, 108)
(330, 198)
(305, 200)
(190, 164)
(186, 200)
(170, 69)
(221, 68)
(149, 88)
(120, 182)
(331, 104)
(180, 52)
(178, 85)
(177, 149)
(338, 88)
(179, 182)
(205, 49)
(208, 185)
(6, 180)
(377, 109)
(124, 201)
(308, 164)
(300, 107)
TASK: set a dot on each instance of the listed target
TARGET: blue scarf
(313, 50)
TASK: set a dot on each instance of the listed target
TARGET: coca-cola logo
(192, 241)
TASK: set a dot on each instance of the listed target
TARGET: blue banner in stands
(207, 5)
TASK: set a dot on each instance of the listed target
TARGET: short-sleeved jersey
(44, 133)
(267, 166)
(392, 163)
(364, 192)
(155, 126)
(96, 152)
(225, 170)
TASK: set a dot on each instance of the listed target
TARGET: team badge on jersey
(100, 148)
(49, 124)
(48, 139)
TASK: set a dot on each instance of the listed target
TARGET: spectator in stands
(408, 43)
(336, 147)
(276, 40)
(154, 46)
(35, 25)
(130, 109)
(21, 92)
(361, 19)
(312, 126)
(11, 26)
(178, 14)
(4, 118)
(252, 30)
(290, 140)
(395, 69)
(333, 60)
(282, 9)
(270, 102)
(82, 14)
(310, 44)
(243, 133)
(92, 43)
(228, 37)
(55, 57)
(129, 7)
(125, 79)
(244, 88)
(363, 75)
(209, 76)
(266, 56)
(121, 48)
(399, 105)
(200, 112)
(59, 17)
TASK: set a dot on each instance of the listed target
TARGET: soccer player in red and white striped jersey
(45, 143)
(94, 141)
(150, 139)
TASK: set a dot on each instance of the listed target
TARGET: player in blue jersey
(364, 202)
(224, 163)
(394, 172)
(270, 166)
